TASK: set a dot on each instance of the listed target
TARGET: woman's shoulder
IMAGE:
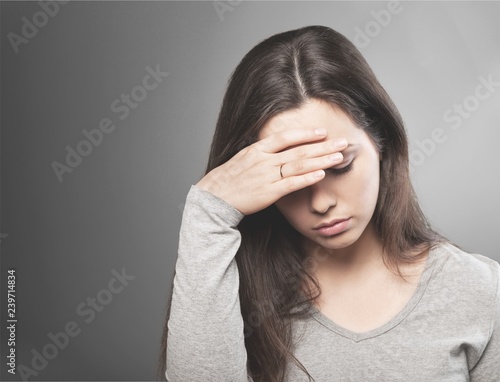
(468, 271)
(473, 263)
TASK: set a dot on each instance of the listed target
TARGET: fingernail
(320, 131)
(341, 142)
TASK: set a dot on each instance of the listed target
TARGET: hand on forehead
(286, 121)
(312, 114)
(279, 123)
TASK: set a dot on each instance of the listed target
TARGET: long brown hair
(280, 74)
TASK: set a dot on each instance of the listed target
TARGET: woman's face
(351, 195)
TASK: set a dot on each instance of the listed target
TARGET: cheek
(363, 188)
(370, 188)
(290, 205)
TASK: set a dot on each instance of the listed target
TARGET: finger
(279, 141)
(312, 150)
(297, 182)
(310, 165)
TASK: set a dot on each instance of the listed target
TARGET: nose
(321, 197)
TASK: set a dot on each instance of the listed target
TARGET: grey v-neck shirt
(449, 330)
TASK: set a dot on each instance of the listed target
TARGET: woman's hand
(250, 181)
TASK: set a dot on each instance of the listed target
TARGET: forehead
(312, 114)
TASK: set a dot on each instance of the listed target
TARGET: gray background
(121, 206)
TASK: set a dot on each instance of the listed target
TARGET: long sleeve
(205, 329)
(487, 368)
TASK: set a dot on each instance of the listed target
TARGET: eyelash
(341, 171)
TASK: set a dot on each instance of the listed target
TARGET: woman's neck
(355, 262)
(359, 267)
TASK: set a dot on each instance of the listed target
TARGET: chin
(340, 241)
(337, 242)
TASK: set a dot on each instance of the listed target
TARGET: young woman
(303, 253)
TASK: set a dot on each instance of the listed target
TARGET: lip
(329, 224)
(335, 227)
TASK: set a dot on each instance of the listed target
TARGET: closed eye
(342, 170)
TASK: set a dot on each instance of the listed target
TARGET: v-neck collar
(430, 263)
